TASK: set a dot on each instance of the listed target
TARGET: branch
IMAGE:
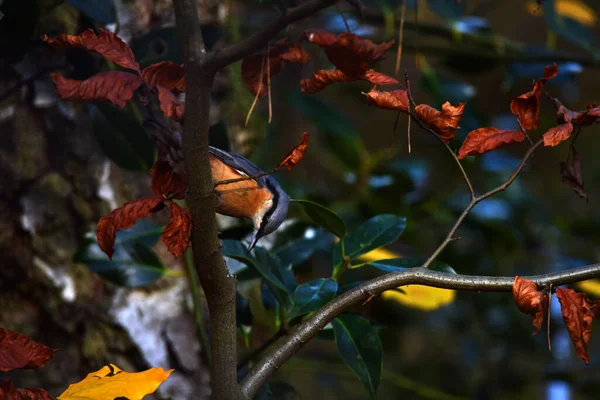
(218, 285)
(422, 276)
(258, 40)
(415, 276)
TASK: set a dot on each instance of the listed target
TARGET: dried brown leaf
(176, 234)
(105, 43)
(166, 74)
(483, 140)
(18, 351)
(123, 218)
(558, 134)
(9, 392)
(169, 104)
(295, 155)
(394, 100)
(444, 122)
(527, 105)
(165, 181)
(530, 301)
(115, 86)
(578, 313)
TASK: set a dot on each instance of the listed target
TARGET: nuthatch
(261, 199)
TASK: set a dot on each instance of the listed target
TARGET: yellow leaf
(416, 296)
(574, 9)
(591, 287)
(110, 382)
(422, 297)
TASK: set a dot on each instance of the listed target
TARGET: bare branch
(218, 285)
(415, 276)
(258, 40)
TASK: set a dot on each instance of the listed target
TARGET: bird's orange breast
(240, 199)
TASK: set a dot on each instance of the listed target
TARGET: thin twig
(30, 80)
(337, 6)
(548, 319)
(262, 66)
(269, 83)
(524, 132)
(400, 35)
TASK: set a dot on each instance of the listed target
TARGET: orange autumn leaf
(169, 104)
(578, 313)
(9, 392)
(483, 140)
(111, 382)
(558, 134)
(18, 351)
(394, 100)
(527, 105)
(444, 122)
(166, 74)
(295, 155)
(349, 53)
(530, 301)
(323, 78)
(257, 69)
(165, 181)
(122, 218)
(105, 43)
(115, 86)
(176, 234)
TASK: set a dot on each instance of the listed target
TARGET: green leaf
(266, 266)
(399, 264)
(377, 232)
(324, 217)
(100, 11)
(360, 348)
(311, 296)
(122, 138)
(134, 264)
(298, 251)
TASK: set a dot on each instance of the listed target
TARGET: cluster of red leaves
(349, 53)
(118, 87)
(18, 351)
(577, 311)
(167, 185)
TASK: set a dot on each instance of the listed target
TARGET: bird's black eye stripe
(273, 189)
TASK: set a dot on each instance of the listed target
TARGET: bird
(260, 199)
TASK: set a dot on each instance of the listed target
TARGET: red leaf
(176, 234)
(557, 134)
(349, 52)
(123, 218)
(18, 351)
(527, 105)
(483, 140)
(444, 122)
(115, 86)
(577, 312)
(379, 79)
(9, 392)
(169, 104)
(295, 55)
(295, 155)
(394, 100)
(530, 301)
(323, 78)
(165, 181)
(166, 74)
(106, 43)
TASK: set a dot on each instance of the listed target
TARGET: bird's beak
(254, 241)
